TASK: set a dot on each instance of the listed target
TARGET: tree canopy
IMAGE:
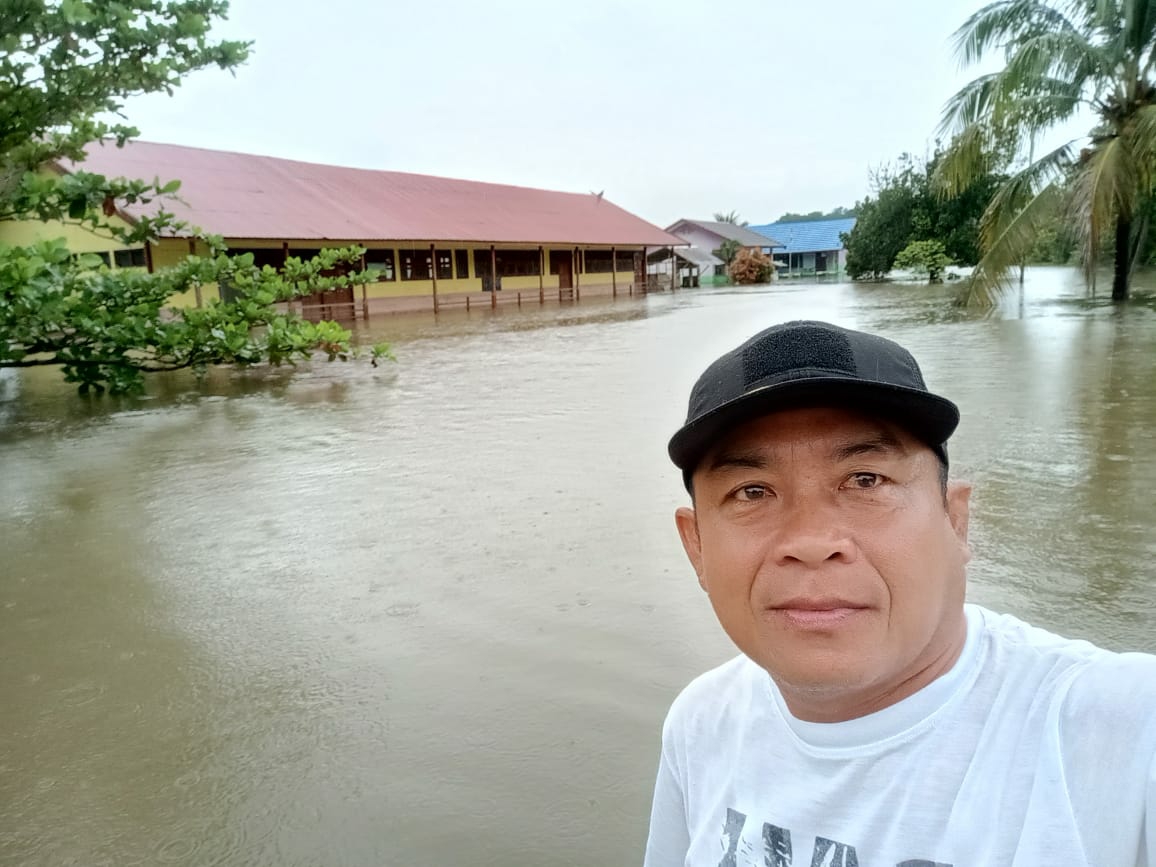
(839, 213)
(907, 207)
(65, 66)
(1060, 57)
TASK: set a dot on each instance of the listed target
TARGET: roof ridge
(135, 142)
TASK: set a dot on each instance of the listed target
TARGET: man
(873, 719)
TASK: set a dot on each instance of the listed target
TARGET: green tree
(1059, 58)
(731, 217)
(886, 221)
(65, 65)
(727, 250)
(908, 206)
(839, 213)
(924, 258)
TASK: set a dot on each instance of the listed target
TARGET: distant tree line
(839, 213)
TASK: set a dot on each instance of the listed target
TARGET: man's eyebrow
(754, 459)
(881, 443)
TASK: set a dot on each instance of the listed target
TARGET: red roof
(246, 196)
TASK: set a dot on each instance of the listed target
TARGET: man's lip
(823, 616)
(817, 604)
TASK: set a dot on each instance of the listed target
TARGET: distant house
(706, 236)
(808, 248)
(429, 241)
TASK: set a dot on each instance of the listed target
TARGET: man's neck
(840, 705)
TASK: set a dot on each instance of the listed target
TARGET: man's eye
(865, 481)
(752, 492)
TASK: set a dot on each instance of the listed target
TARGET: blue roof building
(807, 248)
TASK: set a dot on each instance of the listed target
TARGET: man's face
(832, 557)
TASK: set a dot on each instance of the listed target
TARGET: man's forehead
(843, 432)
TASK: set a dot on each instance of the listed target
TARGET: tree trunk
(1123, 259)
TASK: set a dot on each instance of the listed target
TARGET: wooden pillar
(541, 278)
(493, 277)
(645, 269)
(364, 292)
(285, 256)
(577, 270)
(197, 287)
(673, 277)
(613, 272)
(149, 256)
(433, 273)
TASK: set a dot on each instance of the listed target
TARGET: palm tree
(731, 217)
(1061, 56)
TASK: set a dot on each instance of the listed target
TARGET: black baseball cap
(805, 364)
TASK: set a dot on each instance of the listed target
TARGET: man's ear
(959, 513)
(687, 524)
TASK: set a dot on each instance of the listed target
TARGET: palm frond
(968, 157)
(1012, 222)
(1104, 188)
(972, 102)
(1139, 25)
(1056, 56)
(1141, 134)
(1002, 22)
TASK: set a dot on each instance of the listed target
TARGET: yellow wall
(171, 251)
(20, 233)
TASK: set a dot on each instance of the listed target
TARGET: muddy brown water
(433, 613)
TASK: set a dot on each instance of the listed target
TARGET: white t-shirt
(1033, 750)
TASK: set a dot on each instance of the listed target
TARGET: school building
(430, 242)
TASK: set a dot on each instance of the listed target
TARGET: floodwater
(433, 613)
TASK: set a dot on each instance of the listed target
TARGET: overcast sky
(675, 109)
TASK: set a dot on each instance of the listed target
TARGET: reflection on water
(433, 612)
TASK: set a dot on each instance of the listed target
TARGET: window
(511, 263)
(599, 262)
(128, 258)
(624, 261)
(380, 262)
(304, 255)
(445, 260)
(262, 256)
(415, 264)
(462, 260)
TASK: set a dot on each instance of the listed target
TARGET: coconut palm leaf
(1011, 222)
(1104, 189)
(1142, 143)
(963, 160)
(1000, 23)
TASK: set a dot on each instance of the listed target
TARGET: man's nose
(811, 533)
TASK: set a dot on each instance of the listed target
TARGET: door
(565, 274)
(483, 269)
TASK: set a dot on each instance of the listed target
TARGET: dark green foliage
(908, 206)
(925, 258)
(62, 66)
(886, 221)
(727, 250)
(839, 213)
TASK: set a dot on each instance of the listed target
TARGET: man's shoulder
(717, 694)
(1090, 680)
